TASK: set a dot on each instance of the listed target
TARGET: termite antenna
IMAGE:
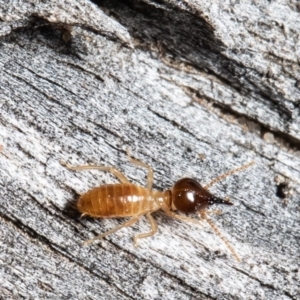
(219, 178)
(222, 237)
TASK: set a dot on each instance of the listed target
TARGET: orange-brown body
(122, 200)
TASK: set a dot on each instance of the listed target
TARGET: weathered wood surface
(81, 81)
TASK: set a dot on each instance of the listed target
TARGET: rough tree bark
(196, 88)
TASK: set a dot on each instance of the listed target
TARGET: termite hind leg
(217, 231)
(99, 237)
(144, 165)
(112, 170)
(82, 215)
(219, 178)
(147, 234)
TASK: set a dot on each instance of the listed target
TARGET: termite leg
(82, 215)
(147, 234)
(182, 218)
(112, 170)
(217, 231)
(99, 237)
(144, 165)
(219, 178)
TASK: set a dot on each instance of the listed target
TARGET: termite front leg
(101, 236)
(182, 218)
(112, 170)
(144, 235)
(144, 165)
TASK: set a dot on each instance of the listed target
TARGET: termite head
(188, 196)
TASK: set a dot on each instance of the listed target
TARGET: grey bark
(195, 88)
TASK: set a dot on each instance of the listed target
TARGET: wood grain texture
(195, 88)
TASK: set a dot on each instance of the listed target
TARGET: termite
(126, 199)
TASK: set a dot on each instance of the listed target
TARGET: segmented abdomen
(115, 200)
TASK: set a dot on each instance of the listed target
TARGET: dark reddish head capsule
(188, 196)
